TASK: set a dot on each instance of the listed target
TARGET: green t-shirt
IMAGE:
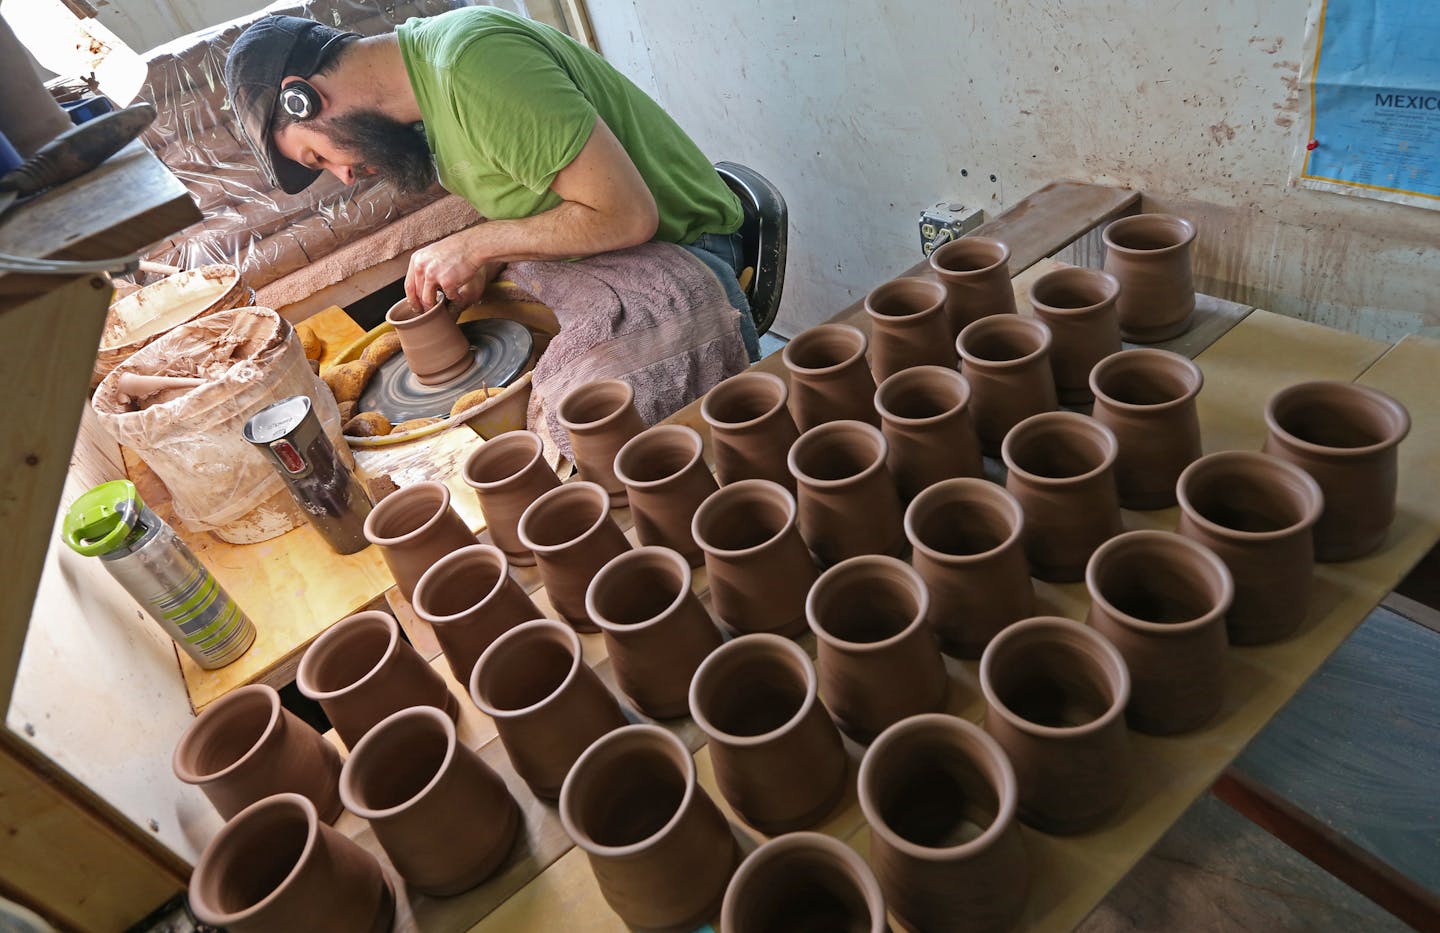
(508, 103)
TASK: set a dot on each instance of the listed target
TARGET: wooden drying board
(562, 894)
(1070, 875)
(294, 587)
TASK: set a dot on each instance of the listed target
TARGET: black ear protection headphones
(300, 100)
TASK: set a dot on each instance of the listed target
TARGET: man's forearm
(566, 231)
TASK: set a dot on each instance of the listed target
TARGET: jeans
(722, 253)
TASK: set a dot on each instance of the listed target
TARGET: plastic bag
(250, 358)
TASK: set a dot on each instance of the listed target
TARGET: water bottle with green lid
(145, 555)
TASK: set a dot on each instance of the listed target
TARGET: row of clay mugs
(1147, 258)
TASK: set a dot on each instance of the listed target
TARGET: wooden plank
(50, 346)
(349, 290)
(70, 856)
(294, 587)
(336, 331)
(1350, 762)
(127, 203)
(1341, 857)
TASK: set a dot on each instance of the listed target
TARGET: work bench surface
(1245, 355)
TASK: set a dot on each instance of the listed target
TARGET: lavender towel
(653, 315)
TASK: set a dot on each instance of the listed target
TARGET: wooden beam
(49, 345)
(1352, 864)
(68, 855)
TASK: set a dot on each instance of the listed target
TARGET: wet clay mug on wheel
(435, 348)
(1346, 436)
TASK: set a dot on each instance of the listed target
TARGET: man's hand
(451, 266)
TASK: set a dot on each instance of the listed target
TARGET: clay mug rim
(326, 640)
(396, 317)
(1014, 323)
(349, 794)
(498, 446)
(444, 566)
(1144, 357)
(754, 643)
(1037, 628)
(913, 284)
(981, 489)
(1043, 420)
(967, 244)
(627, 401)
(237, 824)
(720, 499)
(708, 401)
(659, 435)
(649, 554)
(821, 433)
(546, 500)
(380, 514)
(179, 759)
(523, 630)
(1081, 275)
(809, 335)
(1150, 541)
(604, 747)
(1313, 495)
(871, 564)
(979, 745)
(1377, 402)
(1175, 225)
(805, 842)
(900, 380)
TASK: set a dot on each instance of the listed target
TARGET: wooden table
(1246, 355)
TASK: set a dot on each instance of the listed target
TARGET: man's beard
(396, 151)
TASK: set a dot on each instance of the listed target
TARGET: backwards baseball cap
(268, 51)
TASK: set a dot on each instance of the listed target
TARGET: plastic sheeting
(191, 439)
(261, 230)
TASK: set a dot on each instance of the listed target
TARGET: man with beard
(562, 154)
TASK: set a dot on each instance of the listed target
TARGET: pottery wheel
(501, 348)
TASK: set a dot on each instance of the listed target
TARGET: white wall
(865, 112)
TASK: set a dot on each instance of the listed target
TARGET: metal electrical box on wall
(946, 221)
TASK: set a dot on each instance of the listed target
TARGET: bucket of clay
(191, 437)
(142, 316)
